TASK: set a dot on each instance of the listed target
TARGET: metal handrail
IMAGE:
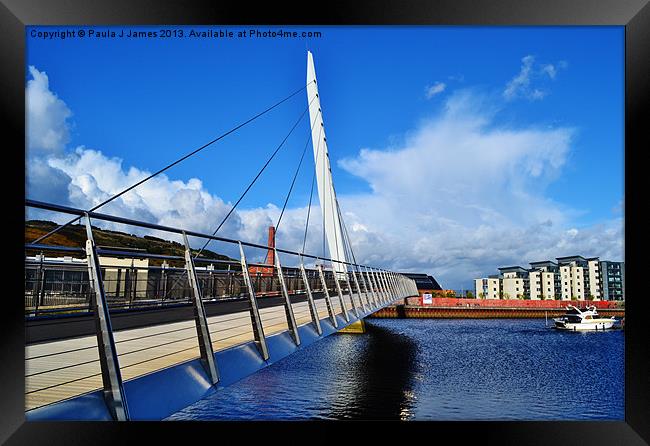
(379, 288)
(143, 224)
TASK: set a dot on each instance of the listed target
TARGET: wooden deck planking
(140, 351)
(143, 350)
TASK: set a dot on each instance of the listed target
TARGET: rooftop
(510, 269)
(424, 281)
(569, 259)
(543, 263)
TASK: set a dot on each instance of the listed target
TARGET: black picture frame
(633, 14)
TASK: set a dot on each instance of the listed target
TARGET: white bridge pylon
(326, 194)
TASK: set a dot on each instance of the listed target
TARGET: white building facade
(570, 278)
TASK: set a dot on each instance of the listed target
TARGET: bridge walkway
(63, 369)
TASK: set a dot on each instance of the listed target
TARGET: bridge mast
(326, 193)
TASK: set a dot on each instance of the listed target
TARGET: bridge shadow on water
(380, 385)
(342, 377)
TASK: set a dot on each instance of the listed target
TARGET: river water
(435, 369)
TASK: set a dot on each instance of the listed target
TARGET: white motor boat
(586, 319)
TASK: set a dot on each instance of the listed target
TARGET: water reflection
(427, 369)
(379, 375)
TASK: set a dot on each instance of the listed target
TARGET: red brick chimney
(270, 255)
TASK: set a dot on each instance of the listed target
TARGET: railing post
(200, 319)
(39, 276)
(354, 305)
(391, 289)
(380, 279)
(380, 293)
(310, 299)
(330, 310)
(344, 309)
(256, 321)
(110, 367)
(43, 288)
(398, 290)
(375, 302)
(356, 283)
(288, 310)
(396, 285)
(389, 293)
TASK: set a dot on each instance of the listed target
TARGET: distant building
(571, 278)
(488, 288)
(425, 283)
(266, 271)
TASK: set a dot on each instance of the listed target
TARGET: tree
(481, 295)
(470, 295)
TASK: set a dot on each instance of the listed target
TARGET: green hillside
(75, 236)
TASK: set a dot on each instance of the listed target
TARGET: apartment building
(514, 282)
(570, 278)
(488, 288)
(544, 280)
(613, 274)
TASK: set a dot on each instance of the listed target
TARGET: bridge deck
(58, 370)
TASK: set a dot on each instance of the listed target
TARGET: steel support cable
(345, 234)
(349, 243)
(258, 175)
(295, 175)
(234, 129)
(249, 187)
(324, 214)
(333, 200)
(311, 193)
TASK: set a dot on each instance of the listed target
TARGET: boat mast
(326, 194)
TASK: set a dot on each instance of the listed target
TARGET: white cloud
(461, 196)
(549, 70)
(437, 88)
(522, 84)
(46, 116)
(458, 197)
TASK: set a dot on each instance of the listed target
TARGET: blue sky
(147, 101)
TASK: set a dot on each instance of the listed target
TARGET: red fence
(509, 303)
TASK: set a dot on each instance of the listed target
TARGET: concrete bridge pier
(357, 327)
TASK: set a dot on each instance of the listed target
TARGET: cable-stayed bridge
(125, 334)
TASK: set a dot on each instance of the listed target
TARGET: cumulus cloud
(432, 90)
(457, 197)
(521, 86)
(462, 195)
(46, 120)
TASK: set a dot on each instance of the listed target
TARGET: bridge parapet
(163, 310)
